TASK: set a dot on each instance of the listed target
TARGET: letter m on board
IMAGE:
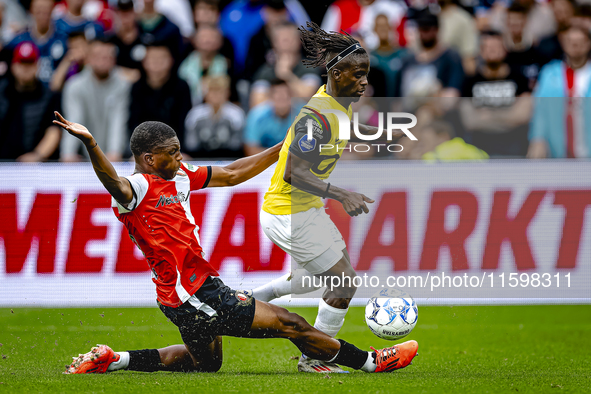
(42, 224)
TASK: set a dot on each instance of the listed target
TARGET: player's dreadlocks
(150, 135)
(322, 46)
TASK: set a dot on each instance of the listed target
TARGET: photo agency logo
(373, 141)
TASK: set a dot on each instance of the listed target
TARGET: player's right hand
(76, 129)
(354, 203)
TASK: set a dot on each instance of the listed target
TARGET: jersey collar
(322, 93)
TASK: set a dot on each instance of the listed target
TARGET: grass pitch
(462, 349)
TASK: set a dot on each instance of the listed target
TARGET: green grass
(462, 349)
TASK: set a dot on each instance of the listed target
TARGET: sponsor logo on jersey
(190, 167)
(314, 128)
(307, 144)
(163, 201)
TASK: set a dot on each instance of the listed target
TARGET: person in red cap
(26, 110)
(52, 44)
(26, 53)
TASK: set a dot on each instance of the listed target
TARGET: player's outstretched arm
(298, 174)
(118, 187)
(243, 169)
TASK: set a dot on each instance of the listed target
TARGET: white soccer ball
(391, 314)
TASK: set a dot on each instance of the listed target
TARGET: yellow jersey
(323, 150)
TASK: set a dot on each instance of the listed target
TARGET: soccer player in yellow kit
(189, 291)
(292, 214)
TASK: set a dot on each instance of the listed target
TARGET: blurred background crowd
(485, 78)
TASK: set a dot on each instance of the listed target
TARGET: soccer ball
(391, 314)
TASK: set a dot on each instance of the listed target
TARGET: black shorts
(234, 313)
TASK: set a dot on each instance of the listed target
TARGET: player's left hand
(354, 203)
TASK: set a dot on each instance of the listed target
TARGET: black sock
(350, 356)
(147, 360)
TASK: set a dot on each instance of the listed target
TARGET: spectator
(242, 19)
(549, 47)
(360, 15)
(204, 61)
(435, 70)
(94, 10)
(387, 57)
(285, 64)
(214, 128)
(458, 31)
(159, 95)
(157, 28)
(130, 50)
(42, 32)
(102, 13)
(560, 126)
(539, 19)
(72, 21)
(267, 123)
(97, 97)
(72, 63)
(497, 115)
(521, 54)
(260, 47)
(343, 15)
(437, 142)
(582, 16)
(208, 12)
(239, 21)
(27, 133)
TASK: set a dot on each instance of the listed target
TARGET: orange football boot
(396, 357)
(96, 361)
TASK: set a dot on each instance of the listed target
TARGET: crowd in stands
(485, 78)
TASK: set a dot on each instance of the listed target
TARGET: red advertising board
(58, 233)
